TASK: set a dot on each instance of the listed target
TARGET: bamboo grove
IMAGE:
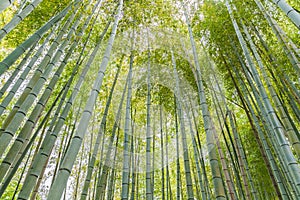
(113, 99)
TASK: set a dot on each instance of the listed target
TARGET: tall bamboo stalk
(149, 195)
(22, 77)
(64, 172)
(289, 160)
(289, 11)
(13, 56)
(290, 133)
(5, 3)
(216, 173)
(189, 183)
(50, 139)
(92, 159)
(162, 152)
(103, 174)
(18, 18)
(16, 116)
(13, 170)
(127, 131)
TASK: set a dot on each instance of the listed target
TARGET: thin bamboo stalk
(18, 18)
(64, 172)
(189, 183)
(13, 56)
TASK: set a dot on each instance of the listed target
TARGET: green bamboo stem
(288, 126)
(127, 132)
(134, 158)
(268, 128)
(213, 158)
(233, 162)
(285, 38)
(22, 77)
(22, 173)
(64, 172)
(92, 159)
(40, 140)
(112, 180)
(289, 160)
(294, 106)
(289, 11)
(265, 145)
(201, 156)
(108, 159)
(162, 153)
(169, 185)
(178, 181)
(78, 173)
(225, 168)
(189, 183)
(29, 125)
(240, 151)
(17, 70)
(152, 174)
(241, 156)
(16, 116)
(197, 158)
(50, 139)
(13, 56)
(18, 18)
(24, 135)
(4, 4)
(257, 101)
(12, 172)
(285, 80)
(293, 59)
(149, 194)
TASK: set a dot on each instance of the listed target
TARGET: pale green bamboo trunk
(285, 44)
(149, 195)
(213, 158)
(43, 124)
(169, 185)
(105, 170)
(112, 180)
(225, 168)
(92, 160)
(196, 158)
(15, 117)
(135, 150)
(188, 177)
(285, 85)
(277, 174)
(18, 18)
(289, 11)
(65, 169)
(258, 104)
(12, 57)
(26, 131)
(38, 72)
(290, 133)
(18, 69)
(5, 3)
(289, 160)
(20, 80)
(50, 139)
(162, 152)
(178, 180)
(127, 132)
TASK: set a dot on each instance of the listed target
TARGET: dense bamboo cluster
(150, 100)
